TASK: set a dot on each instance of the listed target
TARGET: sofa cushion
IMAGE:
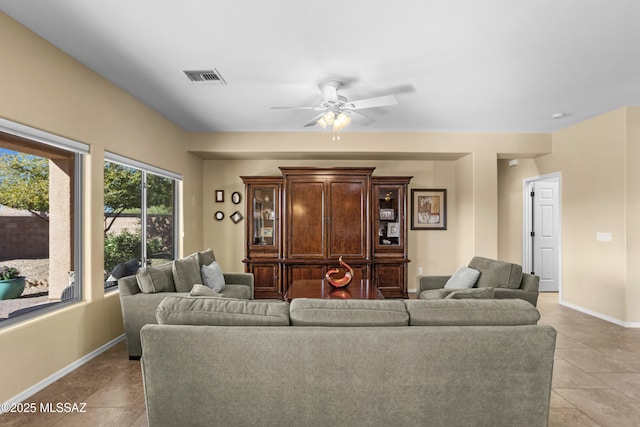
(156, 278)
(465, 277)
(203, 291)
(205, 257)
(476, 293)
(186, 273)
(471, 312)
(497, 274)
(433, 294)
(212, 311)
(328, 312)
(237, 291)
(212, 276)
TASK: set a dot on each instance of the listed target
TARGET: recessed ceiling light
(559, 116)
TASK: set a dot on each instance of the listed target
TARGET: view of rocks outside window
(25, 222)
(36, 223)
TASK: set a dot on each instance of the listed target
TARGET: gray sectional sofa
(317, 362)
(497, 279)
(141, 294)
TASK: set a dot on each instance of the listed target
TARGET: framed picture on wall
(428, 209)
(219, 195)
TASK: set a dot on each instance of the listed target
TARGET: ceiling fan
(337, 111)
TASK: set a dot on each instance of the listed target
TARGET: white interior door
(545, 239)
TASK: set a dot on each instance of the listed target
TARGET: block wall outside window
(40, 183)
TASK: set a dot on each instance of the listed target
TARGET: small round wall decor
(219, 215)
(235, 198)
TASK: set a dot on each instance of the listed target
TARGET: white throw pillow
(464, 278)
(205, 291)
(212, 276)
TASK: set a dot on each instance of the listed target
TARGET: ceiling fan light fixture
(322, 123)
(342, 121)
(329, 118)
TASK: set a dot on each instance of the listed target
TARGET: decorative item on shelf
(387, 214)
(11, 283)
(235, 198)
(219, 215)
(343, 281)
(393, 229)
(219, 196)
(236, 217)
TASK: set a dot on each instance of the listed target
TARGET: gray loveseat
(220, 362)
(506, 280)
(141, 294)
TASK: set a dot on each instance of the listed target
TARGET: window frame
(80, 150)
(146, 168)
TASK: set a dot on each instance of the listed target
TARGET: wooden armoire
(299, 224)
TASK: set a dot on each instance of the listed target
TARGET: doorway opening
(542, 231)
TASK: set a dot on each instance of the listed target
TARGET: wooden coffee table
(318, 288)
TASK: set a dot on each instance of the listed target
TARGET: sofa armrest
(128, 285)
(431, 282)
(240, 279)
(530, 283)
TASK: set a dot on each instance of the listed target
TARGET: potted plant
(11, 283)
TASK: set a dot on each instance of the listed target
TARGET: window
(139, 216)
(40, 194)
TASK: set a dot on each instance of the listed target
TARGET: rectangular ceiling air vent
(206, 76)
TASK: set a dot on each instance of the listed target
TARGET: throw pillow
(156, 279)
(186, 273)
(465, 277)
(199, 290)
(205, 257)
(478, 293)
(212, 276)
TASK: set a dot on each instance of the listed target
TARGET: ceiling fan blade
(296, 108)
(359, 118)
(313, 121)
(378, 101)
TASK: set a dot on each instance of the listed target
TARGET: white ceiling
(491, 65)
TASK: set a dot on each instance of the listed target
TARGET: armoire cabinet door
(390, 279)
(348, 217)
(263, 218)
(305, 218)
(266, 280)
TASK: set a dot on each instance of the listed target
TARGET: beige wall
(632, 297)
(435, 251)
(44, 88)
(510, 207)
(600, 192)
(464, 164)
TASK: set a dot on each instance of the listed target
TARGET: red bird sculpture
(343, 281)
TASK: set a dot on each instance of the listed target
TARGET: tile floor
(596, 379)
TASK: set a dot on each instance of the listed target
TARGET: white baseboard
(62, 372)
(601, 316)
